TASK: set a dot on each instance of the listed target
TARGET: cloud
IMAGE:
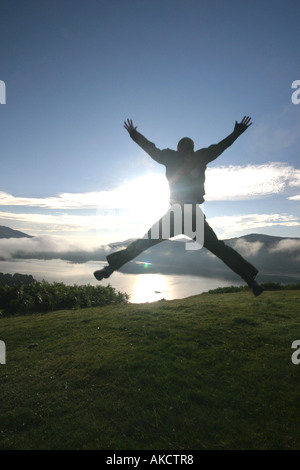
(50, 222)
(122, 213)
(139, 192)
(130, 209)
(295, 179)
(222, 183)
(104, 225)
(62, 201)
(250, 181)
(246, 248)
(83, 248)
(286, 245)
(51, 246)
(230, 226)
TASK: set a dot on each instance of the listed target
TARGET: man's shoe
(256, 288)
(103, 273)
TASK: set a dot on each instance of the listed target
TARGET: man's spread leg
(232, 259)
(119, 258)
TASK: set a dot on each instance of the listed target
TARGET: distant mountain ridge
(6, 232)
(260, 237)
(276, 258)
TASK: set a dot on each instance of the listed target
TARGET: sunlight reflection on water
(140, 287)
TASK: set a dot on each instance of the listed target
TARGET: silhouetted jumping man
(185, 172)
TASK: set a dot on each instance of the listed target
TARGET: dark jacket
(185, 173)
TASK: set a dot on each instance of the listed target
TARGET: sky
(75, 70)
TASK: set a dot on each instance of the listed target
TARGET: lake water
(140, 287)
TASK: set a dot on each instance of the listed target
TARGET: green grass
(207, 372)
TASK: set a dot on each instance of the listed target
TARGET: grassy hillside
(207, 372)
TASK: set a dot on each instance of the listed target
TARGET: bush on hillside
(16, 279)
(46, 297)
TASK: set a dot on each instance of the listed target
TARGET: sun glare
(147, 199)
(133, 208)
(149, 190)
(152, 287)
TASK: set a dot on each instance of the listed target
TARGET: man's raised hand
(129, 125)
(240, 127)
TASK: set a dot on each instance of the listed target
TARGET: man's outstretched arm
(139, 139)
(215, 150)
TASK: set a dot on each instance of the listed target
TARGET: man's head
(185, 145)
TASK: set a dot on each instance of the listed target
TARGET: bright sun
(148, 192)
(147, 199)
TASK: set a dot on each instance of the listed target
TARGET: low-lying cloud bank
(49, 247)
(273, 256)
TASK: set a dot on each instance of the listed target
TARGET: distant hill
(276, 258)
(6, 232)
